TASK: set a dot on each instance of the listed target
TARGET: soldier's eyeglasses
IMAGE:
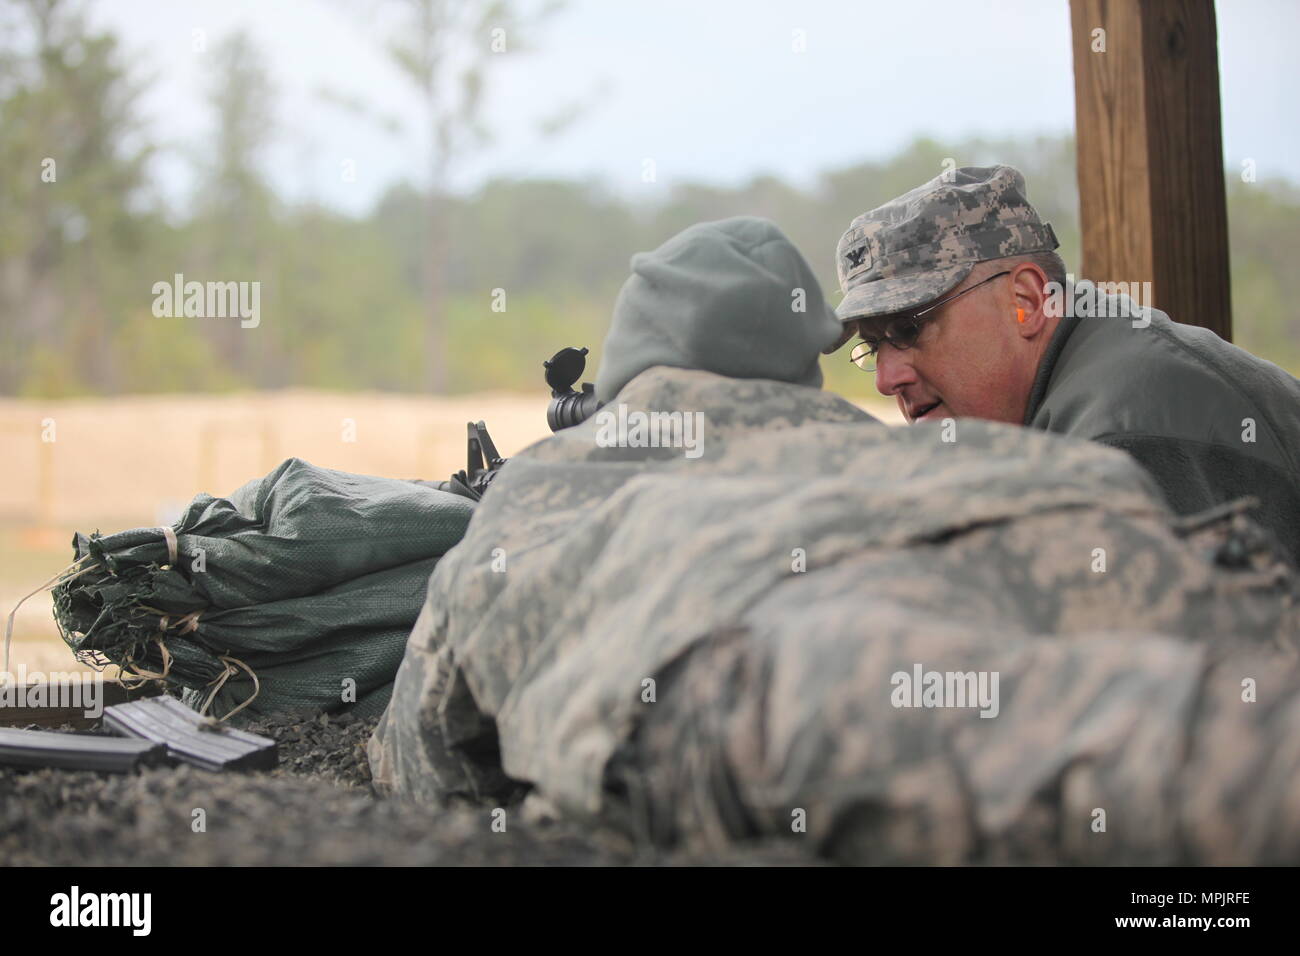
(901, 332)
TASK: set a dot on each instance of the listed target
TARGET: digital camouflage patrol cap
(915, 248)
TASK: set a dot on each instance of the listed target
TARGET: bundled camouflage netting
(306, 578)
(1149, 697)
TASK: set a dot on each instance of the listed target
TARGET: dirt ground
(316, 808)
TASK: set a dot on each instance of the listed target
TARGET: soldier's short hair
(1047, 260)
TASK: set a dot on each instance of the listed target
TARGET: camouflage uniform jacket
(704, 649)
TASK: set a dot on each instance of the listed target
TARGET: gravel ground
(316, 808)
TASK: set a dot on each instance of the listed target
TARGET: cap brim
(895, 294)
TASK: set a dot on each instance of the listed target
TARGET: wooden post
(1150, 153)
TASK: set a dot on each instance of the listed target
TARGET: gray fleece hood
(733, 297)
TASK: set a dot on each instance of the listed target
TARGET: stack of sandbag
(295, 593)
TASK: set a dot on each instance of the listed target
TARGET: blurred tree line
(345, 300)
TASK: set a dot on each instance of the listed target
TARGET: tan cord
(220, 681)
(52, 582)
(170, 534)
(147, 675)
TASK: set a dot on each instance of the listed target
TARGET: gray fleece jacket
(1209, 421)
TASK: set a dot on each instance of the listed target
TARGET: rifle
(566, 409)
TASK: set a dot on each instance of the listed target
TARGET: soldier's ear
(1028, 299)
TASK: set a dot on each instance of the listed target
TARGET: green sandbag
(310, 579)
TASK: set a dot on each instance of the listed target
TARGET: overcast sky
(708, 89)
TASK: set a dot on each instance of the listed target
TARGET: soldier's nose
(893, 370)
